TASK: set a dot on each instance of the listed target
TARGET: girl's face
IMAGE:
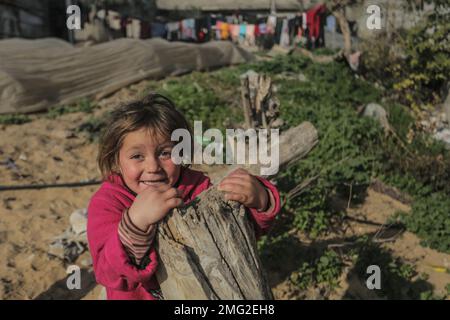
(145, 162)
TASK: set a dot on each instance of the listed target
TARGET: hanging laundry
(298, 36)
(217, 29)
(314, 17)
(202, 26)
(278, 29)
(145, 30)
(257, 32)
(242, 31)
(234, 31)
(290, 16)
(158, 30)
(331, 23)
(271, 24)
(250, 35)
(188, 29)
(129, 28)
(123, 26)
(292, 28)
(298, 23)
(262, 28)
(173, 31)
(224, 31)
(113, 19)
(284, 38)
(136, 27)
(304, 21)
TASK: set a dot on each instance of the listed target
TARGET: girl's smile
(145, 161)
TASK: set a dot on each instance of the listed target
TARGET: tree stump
(207, 249)
(261, 107)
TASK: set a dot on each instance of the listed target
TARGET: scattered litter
(10, 164)
(86, 262)
(69, 245)
(440, 269)
(78, 221)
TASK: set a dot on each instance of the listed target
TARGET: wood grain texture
(207, 249)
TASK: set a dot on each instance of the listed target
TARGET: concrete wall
(394, 15)
(25, 19)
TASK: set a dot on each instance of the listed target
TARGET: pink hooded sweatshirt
(112, 266)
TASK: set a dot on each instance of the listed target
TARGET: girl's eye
(137, 157)
(165, 154)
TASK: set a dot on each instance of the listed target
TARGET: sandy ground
(44, 151)
(50, 150)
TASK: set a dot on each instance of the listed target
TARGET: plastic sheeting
(36, 74)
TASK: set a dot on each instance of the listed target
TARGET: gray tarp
(36, 74)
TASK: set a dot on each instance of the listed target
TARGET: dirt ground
(52, 151)
(369, 218)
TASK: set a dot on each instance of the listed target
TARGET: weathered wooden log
(294, 144)
(207, 250)
(261, 107)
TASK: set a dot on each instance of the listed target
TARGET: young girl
(141, 185)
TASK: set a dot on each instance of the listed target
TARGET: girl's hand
(153, 204)
(244, 188)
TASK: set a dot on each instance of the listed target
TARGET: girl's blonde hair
(155, 112)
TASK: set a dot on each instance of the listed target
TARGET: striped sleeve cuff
(136, 241)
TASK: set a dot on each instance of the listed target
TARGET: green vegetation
(430, 220)
(84, 105)
(14, 118)
(399, 280)
(421, 71)
(324, 270)
(201, 97)
(352, 149)
(93, 127)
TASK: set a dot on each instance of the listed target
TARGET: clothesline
(292, 29)
(301, 28)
